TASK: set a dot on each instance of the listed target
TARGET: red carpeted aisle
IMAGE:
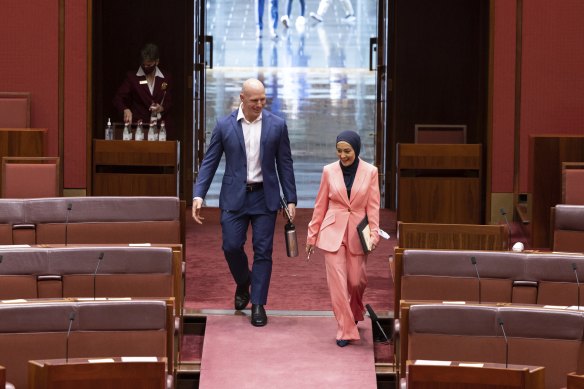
(296, 284)
(290, 352)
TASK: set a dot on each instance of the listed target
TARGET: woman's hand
(309, 250)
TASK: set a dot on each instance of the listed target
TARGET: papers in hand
(364, 232)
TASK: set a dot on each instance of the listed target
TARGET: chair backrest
(573, 183)
(112, 328)
(14, 110)
(568, 228)
(30, 177)
(551, 338)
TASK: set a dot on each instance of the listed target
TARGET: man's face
(254, 101)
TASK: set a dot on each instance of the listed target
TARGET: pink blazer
(334, 213)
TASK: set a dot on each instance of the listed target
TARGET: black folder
(364, 234)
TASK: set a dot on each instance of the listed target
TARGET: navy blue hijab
(349, 172)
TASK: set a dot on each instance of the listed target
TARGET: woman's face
(346, 153)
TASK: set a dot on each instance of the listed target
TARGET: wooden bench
(536, 336)
(452, 236)
(92, 220)
(138, 272)
(505, 277)
(99, 329)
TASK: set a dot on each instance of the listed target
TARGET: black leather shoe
(258, 316)
(342, 342)
(242, 296)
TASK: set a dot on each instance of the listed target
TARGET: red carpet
(296, 284)
(290, 352)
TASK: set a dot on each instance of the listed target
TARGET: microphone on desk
(375, 320)
(500, 321)
(95, 272)
(71, 318)
(69, 207)
(575, 268)
(473, 260)
(504, 214)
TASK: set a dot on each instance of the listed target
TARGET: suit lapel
(238, 130)
(358, 181)
(339, 182)
(264, 134)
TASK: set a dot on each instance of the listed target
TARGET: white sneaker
(285, 21)
(316, 17)
(300, 24)
(349, 19)
(258, 33)
(273, 33)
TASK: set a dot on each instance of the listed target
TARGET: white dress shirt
(158, 73)
(252, 132)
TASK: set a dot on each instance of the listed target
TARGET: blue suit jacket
(275, 156)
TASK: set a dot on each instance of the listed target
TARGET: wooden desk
(482, 376)
(135, 168)
(21, 142)
(439, 183)
(80, 373)
(575, 381)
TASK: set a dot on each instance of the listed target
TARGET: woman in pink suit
(348, 192)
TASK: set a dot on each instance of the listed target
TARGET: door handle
(209, 40)
(372, 47)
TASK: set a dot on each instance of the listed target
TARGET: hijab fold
(349, 172)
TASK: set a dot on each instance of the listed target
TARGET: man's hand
(197, 204)
(292, 210)
(156, 108)
(127, 116)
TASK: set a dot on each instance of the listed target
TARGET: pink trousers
(346, 277)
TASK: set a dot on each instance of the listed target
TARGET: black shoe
(242, 296)
(258, 316)
(342, 342)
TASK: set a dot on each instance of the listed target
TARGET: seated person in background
(146, 91)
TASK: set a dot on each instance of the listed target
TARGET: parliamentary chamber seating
(568, 228)
(524, 281)
(39, 329)
(104, 248)
(92, 220)
(547, 337)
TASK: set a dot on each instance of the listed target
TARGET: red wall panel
(30, 63)
(75, 93)
(503, 96)
(29, 60)
(552, 72)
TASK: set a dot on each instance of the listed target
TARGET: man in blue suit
(258, 162)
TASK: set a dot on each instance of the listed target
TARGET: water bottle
(289, 233)
(153, 115)
(162, 133)
(152, 131)
(291, 240)
(139, 133)
(109, 130)
(127, 134)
